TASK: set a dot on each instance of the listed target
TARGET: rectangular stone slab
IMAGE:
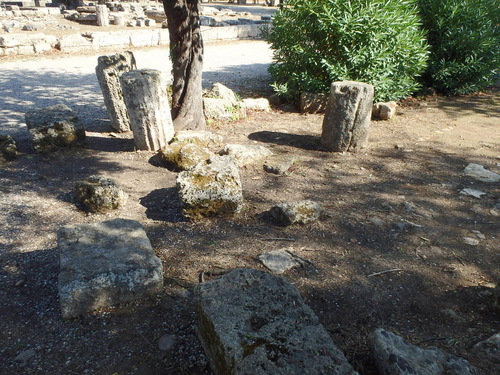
(103, 264)
(254, 323)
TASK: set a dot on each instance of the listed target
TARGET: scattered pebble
(471, 241)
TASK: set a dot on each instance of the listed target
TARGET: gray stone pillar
(347, 117)
(102, 15)
(108, 71)
(145, 94)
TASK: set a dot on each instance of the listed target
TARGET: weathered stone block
(222, 109)
(258, 104)
(108, 71)
(104, 264)
(246, 154)
(347, 118)
(278, 164)
(393, 355)
(254, 323)
(212, 188)
(54, 127)
(300, 212)
(220, 91)
(202, 138)
(180, 156)
(73, 43)
(384, 110)
(99, 193)
(144, 38)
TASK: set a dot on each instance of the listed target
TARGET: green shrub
(317, 42)
(465, 43)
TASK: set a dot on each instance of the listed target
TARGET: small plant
(464, 36)
(317, 42)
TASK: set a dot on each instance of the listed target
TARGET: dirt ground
(396, 205)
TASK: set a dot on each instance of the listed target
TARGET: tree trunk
(186, 51)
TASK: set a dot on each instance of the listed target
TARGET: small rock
(478, 234)
(278, 261)
(220, 91)
(167, 342)
(29, 27)
(300, 212)
(20, 283)
(24, 357)
(384, 111)
(182, 156)
(259, 104)
(278, 164)
(472, 192)
(376, 221)
(8, 148)
(99, 193)
(479, 173)
(471, 241)
(490, 350)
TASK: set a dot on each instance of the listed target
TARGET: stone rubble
(99, 193)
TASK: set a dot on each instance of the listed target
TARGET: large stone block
(211, 188)
(144, 38)
(73, 43)
(108, 71)
(254, 323)
(104, 264)
(54, 127)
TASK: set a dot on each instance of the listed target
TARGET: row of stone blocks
(250, 322)
(28, 44)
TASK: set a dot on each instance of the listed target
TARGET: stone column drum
(108, 71)
(347, 117)
(102, 15)
(145, 94)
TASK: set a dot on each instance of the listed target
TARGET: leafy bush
(317, 42)
(465, 43)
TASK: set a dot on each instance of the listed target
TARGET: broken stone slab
(384, 110)
(202, 138)
(480, 173)
(393, 355)
(278, 261)
(54, 127)
(252, 322)
(223, 109)
(99, 193)
(278, 164)
(8, 148)
(347, 118)
(104, 264)
(300, 212)
(145, 95)
(181, 156)
(246, 154)
(472, 192)
(211, 188)
(311, 102)
(108, 71)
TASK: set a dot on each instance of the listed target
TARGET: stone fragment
(246, 154)
(167, 342)
(384, 110)
(480, 173)
(278, 261)
(300, 212)
(471, 241)
(108, 71)
(182, 156)
(472, 192)
(259, 104)
(313, 102)
(278, 164)
(347, 117)
(145, 95)
(102, 15)
(54, 127)
(8, 147)
(212, 188)
(98, 193)
(104, 264)
(220, 91)
(393, 355)
(118, 20)
(222, 109)
(202, 138)
(251, 322)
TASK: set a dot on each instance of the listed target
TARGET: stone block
(257, 104)
(15, 40)
(98, 194)
(202, 138)
(209, 189)
(42, 47)
(300, 212)
(248, 31)
(246, 154)
(104, 264)
(74, 43)
(254, 323)
(222, 109)
(181, 156)
(384, 110)
(54, 127)
(393, 355)
(220, 91)
(110, 39)
(144, 38)
(163, 37)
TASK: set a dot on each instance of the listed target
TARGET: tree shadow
(303, 141)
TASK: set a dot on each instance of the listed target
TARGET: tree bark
(186, 52)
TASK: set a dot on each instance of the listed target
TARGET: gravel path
(29, 84)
